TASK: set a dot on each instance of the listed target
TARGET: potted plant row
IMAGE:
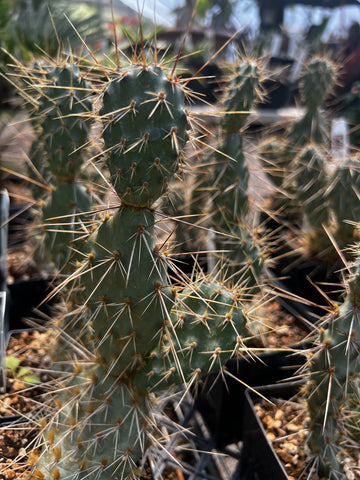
(322, 441)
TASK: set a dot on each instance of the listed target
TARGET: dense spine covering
(137, 327)
(63, 124)
(311, 181)
(229, 179)
(335, 382)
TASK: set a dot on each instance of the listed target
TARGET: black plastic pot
(259, 460)
(222, 404)
(26, 299)
(299, 280)
(13, 420)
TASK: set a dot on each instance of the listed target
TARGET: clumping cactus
(334, 385)
(329, 216)
(228, 181)
(286, 158)
(140, 333)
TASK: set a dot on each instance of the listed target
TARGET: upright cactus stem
(316, 83)
(142, 329)
(229, 179)
(335, 382)
(311, 181)
(65, 107)
(62, 124)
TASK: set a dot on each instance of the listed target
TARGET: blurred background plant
(35, 25)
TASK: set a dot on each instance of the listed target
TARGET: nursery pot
(222, 403)
(296, 277)
(27, 299)
(259, 460)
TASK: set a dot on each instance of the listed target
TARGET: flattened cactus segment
(145, 133)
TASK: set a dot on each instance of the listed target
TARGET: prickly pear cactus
(206, 317)
(231, 172)
(62, 121)
(316, 83)
(335, 382)
(229, 179)
(140, 171)
(244, 91)
(128, 303)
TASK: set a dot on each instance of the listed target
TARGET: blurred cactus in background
(317, 82)
(229, 176)
(60, 109)
(343, 195)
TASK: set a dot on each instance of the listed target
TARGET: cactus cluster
(327, 202)
(334, 384)
(140, 333)
(305, 182)
(134, 329)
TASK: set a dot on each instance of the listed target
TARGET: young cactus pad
(145, 133)
(207, 327)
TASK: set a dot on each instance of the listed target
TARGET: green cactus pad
(98, 432)
(65, 107)
(145, 132)
(125, 279)
(317, 81)
(207, 327)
